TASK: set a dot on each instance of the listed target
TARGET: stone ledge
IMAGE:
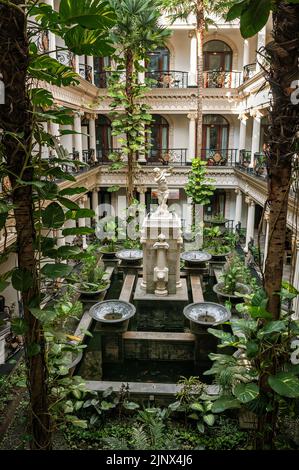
(156, 336)
(196, 289)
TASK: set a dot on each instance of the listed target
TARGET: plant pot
(112, 315)
(220, 257)
(232, 298)
(93, 294)
(107, 254)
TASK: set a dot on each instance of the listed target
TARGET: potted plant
(231, 288)
(90, 280)
(216, 243)
(218, 219)
(109, 248)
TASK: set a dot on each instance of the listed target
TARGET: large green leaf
(21, 279)
(44, 315)
(82, 41)
(236, 10)
(72, 191)
(79, 214)
(56, 270)
(254, 17)
(68, 203)
(223, 335)
(50, 70)
(91, 14)
(77, 231)
(68, 251)
(225, 403)
(53, 216)
(285, 384)
(246, 392)
(41, 97)
(278, 326)
(209, 419)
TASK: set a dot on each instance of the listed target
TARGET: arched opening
(100, 74)
(218, 58)
(215, 138)
(159, 139)
(103, 137)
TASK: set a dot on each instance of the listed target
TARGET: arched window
(215, 135)
(158, 60)
(103, 137)
(159, 137)
(217, 56)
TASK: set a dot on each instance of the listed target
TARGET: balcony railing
(249, 71)
(86, 72)
(221, 79)
(66, 58)
(258, 168)
(164, 156)
(167, 79)
(104, 153)
(220, 157)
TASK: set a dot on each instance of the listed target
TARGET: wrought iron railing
(166, 156)
(245, 158)
(167, 79)
(222, 79)
(86, 72)
(220, 157)
(256, 167)
(249, 71)
(65, 58)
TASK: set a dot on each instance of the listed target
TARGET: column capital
(91, 116)
(238, 192)
(249, 201)
(96, 189)
(141, 189)
(267, 215)
(192, 116)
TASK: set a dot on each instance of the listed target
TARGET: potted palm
(231, 288)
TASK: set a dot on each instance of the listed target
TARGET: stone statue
(163, 191)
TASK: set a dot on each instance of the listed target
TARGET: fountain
(131, 257)
(112, 314)
(205, 314)
(196, 258)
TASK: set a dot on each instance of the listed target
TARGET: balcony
(166, 156)
(167, 79)
(220, 157)
(104, 153)
(259, 167)
(66, 58)
(221, 79)
(85, 71)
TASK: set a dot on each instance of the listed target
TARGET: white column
(52, 37)
(193, 59)
(92, 134)
(70, 223)
(87, 206)
(256, 133)
(192, 136)
(142, 210)
(250, 221)
(261, 42)
(242, 135)
(296, 278)
(60, 241)
(245, 52)
(267, 215)
(95, 203)
(78, 137)
(54, 131)
(238, 211)
(89, 61)
(81, 222)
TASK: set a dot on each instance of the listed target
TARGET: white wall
(9, 293)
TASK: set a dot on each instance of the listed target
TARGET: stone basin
(113, 314)
(205, 314)
(130, 256)
(196, 257)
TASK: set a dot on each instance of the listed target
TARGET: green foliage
(199, 187)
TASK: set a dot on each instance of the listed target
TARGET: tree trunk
(200, 28)
(283, 55)
(131, 153)
(15, 117)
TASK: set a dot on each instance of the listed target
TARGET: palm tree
(137, 32)
(201, 9)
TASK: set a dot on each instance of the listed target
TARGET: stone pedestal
(155, 225)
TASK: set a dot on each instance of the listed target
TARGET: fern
(115, 443)
(140, 439)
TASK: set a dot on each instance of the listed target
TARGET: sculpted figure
(163, 191)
